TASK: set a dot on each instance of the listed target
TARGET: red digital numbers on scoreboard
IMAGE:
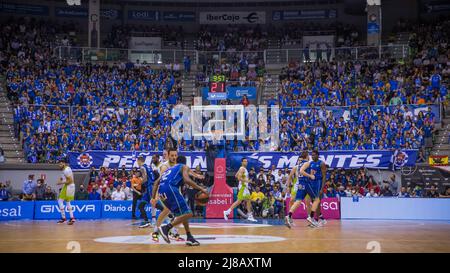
(217, 87)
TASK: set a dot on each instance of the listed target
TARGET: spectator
(393, 185)
(49, 194)
(127, 191)
(342, 192)
(331, 192)
(94, 194)
(257, 198)
(118, 194)
(108, 192)
(187, 64)
(432, 192)
(279, 202)
(386, 192)
(252, 174)
(93, 174)
(81, 194)
(4, 193)
(29, 187)
(268, 205)
(270, 177)
(372, 193)
(39, 191)
(403, 193)
(245, 101)
(8, 186)
(446, 193)
(2, 155)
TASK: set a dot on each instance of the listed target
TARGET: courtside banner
(221, 195)
(113, 159)
(377, 159)
(328, 206)
(81, 209)
(122, 209)
(16, 210)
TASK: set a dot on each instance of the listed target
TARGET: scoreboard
(217, 87)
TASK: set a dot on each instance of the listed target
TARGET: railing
(268, 56)
(337, 111)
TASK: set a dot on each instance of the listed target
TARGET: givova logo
(76, 208)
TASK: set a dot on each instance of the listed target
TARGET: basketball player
(148, 177)
(298, 193)
(67, 192)
(171, 155)
(243, 194)
(315, 171)
(169, 186)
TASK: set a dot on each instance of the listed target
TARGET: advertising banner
(233, 93)
(147, 15)
(232, 17)
(23, 9)
(122, 209)
(329, 208)
(16, 210)
(114, 159)
(392, 208)
(303, 14)
(376, 159)
(145, 43)
(113, 14)
(81, 209)
(221, 195)
(178, 16)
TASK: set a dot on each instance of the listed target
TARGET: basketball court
(238, 236)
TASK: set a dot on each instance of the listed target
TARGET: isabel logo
(84, 160)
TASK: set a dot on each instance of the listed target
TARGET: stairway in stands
(271, 85)
(442, 144)
(11, 146)
(189, 89)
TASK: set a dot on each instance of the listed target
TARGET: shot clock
(217, 84)
(217, 87)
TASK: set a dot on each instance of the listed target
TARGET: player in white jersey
(67, 193)
(243, 194)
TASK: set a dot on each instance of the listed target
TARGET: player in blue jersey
(149, 176)
(168, 187)
(315, 171)
(298, 193)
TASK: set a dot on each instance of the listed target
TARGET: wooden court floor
(337, 236)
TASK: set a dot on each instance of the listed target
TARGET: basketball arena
(198, 126)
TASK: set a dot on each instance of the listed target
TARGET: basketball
(201, 198)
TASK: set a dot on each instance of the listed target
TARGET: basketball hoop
(217, 136)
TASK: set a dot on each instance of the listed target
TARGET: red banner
(221, 195)
(329, 208)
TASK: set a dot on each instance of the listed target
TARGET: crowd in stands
(231, 38)
(358, 85)
(120, 35)
(122, 107)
